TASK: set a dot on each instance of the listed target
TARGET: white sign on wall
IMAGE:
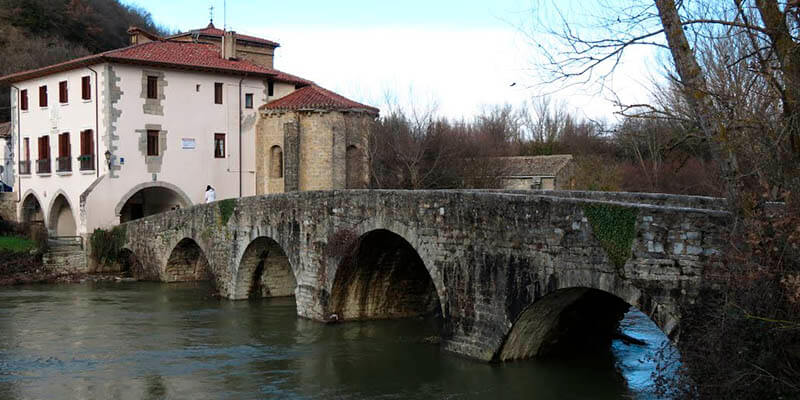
(187, 143)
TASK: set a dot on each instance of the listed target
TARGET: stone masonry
(489, 255)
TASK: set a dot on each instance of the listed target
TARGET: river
(175, 341)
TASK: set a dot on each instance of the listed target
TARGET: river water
(159, 341)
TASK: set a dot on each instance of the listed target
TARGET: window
(219, 145)
(152, 143)
(152, 87)
(23, 99)
(248, 100)
(270, 88)
(25, 163)
(42, 96)
(64, 162)
(43, 163)
(44, 147)
(63, 97)
(276, 162)
(87, 150)
(217, 93)
(86, 88)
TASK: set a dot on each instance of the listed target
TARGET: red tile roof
(171, 54)
(211, 30)
(316, 98)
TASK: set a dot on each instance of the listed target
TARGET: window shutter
(152, 143)
(62, 92)
(42, 96)
(23, 99)
(86, 88)
(152, 87)
(217, 93)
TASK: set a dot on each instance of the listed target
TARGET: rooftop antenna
(211, 14)
(224, 15)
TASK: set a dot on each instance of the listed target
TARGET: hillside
(35, 33)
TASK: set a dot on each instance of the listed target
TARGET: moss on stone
(226, 209)
(615, 228)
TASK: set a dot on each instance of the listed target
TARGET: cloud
(460, 70)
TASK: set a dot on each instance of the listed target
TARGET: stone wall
(8, 206)
(322, 150)
(489, 256)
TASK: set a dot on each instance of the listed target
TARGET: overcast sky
(461, 55)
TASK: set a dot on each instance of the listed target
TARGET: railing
(64, 164)
(55, 241)
(87, 162)
(43, 166)
(25, 167)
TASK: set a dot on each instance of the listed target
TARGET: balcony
(43, 166)
(87, 162)
(64, 164)
(25, 167)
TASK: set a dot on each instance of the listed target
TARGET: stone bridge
(511, 274)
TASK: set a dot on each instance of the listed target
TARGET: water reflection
(154, 341)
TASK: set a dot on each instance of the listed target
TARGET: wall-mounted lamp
(108, 159)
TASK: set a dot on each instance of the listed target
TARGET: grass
(16, 244)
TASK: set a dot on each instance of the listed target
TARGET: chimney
(229, 45)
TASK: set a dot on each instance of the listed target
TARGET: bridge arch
(264, 270)
(381, 275)
(128, 263)
(572, 317)
(61, 217)
(187, 262)
(150, 198)
(31, 210)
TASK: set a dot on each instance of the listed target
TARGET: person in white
(211, 195)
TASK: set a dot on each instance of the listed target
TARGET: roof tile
(198, 56)
(315, 97)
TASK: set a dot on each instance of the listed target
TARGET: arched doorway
(62, 220)
(383, 277)
(187, 263)
(264, 271)
(144, 201)
(32, 212)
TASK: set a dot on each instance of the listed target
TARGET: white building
(135, 131)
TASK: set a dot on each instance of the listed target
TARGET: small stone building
(553, 172)
(313, 139)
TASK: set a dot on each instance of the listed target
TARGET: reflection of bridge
(509, 272)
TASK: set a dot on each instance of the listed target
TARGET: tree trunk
(695, 91)
(788, 52)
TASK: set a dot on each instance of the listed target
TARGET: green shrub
(16, 244)
(615, 228)
(106, 245)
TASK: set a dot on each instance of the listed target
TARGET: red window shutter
(86, 88)
(23, 99)
(42, 96)
(62, 92)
